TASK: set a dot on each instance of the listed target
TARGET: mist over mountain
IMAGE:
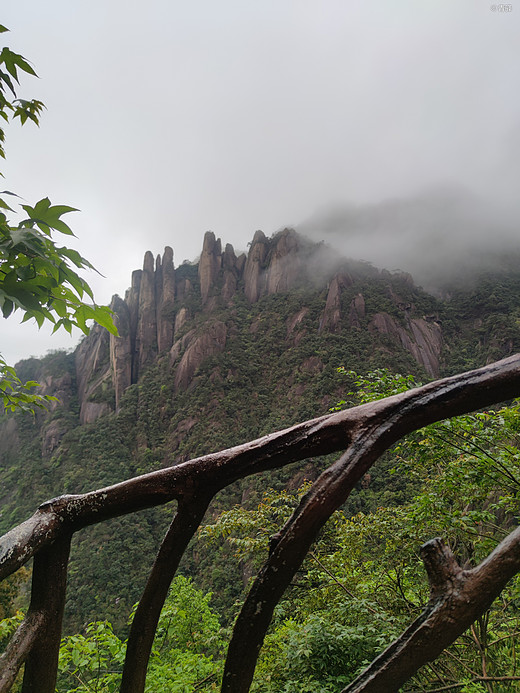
(442, 236)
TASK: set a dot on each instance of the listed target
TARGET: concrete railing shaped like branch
(361, 434)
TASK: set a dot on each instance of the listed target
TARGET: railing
(458, 596)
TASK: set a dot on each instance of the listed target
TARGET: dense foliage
(186, 656)
(273, 373)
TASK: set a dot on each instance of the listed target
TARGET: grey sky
(170, 118)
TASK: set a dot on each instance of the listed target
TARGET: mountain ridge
(152, 317)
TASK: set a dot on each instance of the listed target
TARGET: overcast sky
(166, 119)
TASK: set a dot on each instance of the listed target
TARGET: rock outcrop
(92, 370)
(421, 338)
(332, 314)
(285, 265)
(121, 348)
(146, 335)
(357, 311)
(209, 265)
(163, 302)
(210, 342)
(254, 271)
(231, 271)
(165, 292)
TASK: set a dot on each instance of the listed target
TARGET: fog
(169, 119)
(442, 236)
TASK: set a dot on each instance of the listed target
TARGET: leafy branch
(37, 276)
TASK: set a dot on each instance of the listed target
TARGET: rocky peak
(145, 320)
(209, 264)
(254, 276)
(285, 263)
(146, 336)
(159, 303)
(121, 348)
(165, 295)
(332, 314)
(153, 317)
(231, 273)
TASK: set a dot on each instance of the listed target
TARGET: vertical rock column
(231, 273)
(121, 349)
(165, 293)
(146, 336)
(209, 264)
(132, 301)
(254, 277)
(331, 317)
(285, 265)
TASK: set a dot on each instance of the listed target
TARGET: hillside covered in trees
(219, 352)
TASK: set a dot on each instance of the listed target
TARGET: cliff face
(161, 299)
(173, 313)
(421, 337)
(92, 372)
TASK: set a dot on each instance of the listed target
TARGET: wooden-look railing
(362, 433)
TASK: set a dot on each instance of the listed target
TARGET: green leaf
(59, 307)
(24, 299)
(103, 316)
(7, 307)
(4, 205)
(22, 63)
(4, 77)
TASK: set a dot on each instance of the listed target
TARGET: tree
(458, 595)
(38, 277)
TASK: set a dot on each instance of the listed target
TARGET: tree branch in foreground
(457, 598)
(435, 401)
(37, 639)
(18, 649)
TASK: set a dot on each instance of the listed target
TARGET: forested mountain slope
(215, 353)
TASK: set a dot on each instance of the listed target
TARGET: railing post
(49, 583)
(187, 519)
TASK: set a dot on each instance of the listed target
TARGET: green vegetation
(187, 653)
(37, 276)
(361, 584)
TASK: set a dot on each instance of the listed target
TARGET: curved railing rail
(362, 433)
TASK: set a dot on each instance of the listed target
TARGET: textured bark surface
(49, 582)
(457, 598)
(18, 649)
(184, 525)
(364, 433)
